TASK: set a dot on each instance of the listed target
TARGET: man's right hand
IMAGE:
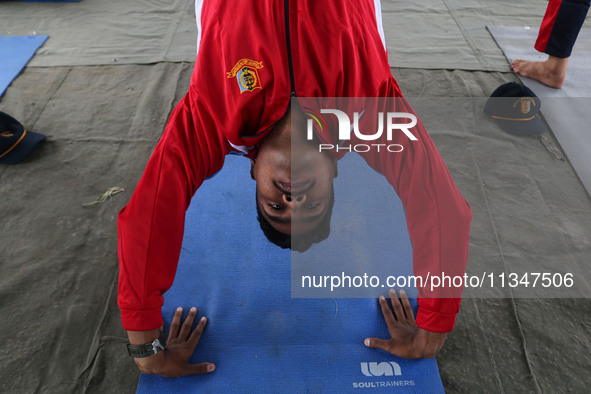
(173, 361)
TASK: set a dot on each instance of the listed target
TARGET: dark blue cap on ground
(16, 143)
(516, 109)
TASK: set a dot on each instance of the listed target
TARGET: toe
(515, 65)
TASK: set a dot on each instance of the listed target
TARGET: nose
(294, 200)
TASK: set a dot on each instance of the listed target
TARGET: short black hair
(302, 242)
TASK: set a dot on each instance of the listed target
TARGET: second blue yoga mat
(15, 52)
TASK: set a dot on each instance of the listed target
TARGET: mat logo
(381, 369)
(345, 127)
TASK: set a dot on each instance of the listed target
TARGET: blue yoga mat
(15, 52)
(260, 338)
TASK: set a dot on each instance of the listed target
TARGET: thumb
(383, 344)
(199, 369)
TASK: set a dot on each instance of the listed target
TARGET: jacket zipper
(288, 42)
(290, 62)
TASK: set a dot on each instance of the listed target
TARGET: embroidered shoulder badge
(246, 74)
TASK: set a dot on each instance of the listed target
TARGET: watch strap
(148, 349)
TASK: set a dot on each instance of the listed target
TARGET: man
(559, 30)
(253, 57)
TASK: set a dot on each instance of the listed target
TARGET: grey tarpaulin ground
(58, 262)
(105, 32)
(431, 34)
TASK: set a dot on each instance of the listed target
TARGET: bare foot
(551, 72)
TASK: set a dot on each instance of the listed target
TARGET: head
(294, 191)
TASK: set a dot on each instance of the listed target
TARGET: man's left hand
(407, 339)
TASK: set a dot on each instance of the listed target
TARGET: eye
(312, 206)
(276, 207)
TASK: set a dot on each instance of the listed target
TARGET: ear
(252, 163)
(336, 167)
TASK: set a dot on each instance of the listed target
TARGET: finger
(397, 306)
(387, 312)
(176, 321)
(406, 305)
(186, 328)
(378, 343)
(196, 334)
(198, 369)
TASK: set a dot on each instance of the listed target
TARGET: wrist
(143, 337)
(429, 343)
(152, 364)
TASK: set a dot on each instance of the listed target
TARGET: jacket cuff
(141, 320)
(435, 321)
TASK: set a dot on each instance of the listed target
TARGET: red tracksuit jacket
(252, 56)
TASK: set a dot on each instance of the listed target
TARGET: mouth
(294, 187)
